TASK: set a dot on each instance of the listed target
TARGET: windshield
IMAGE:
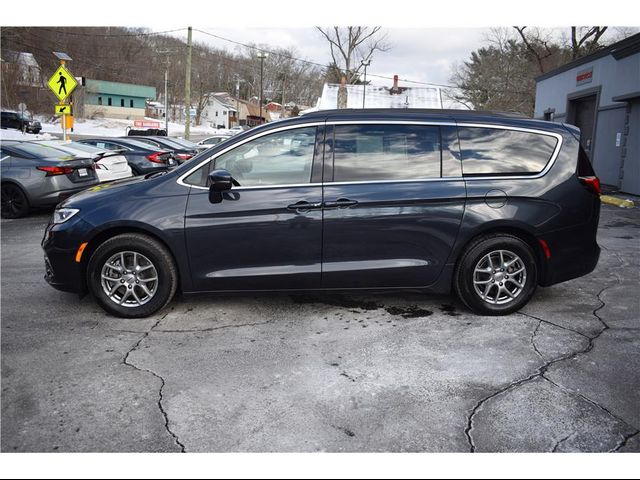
(182, 142)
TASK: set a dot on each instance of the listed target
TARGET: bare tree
(350, 45)
(585, 38)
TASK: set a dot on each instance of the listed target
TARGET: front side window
(386, 152)
(496, 151)
(281, 158)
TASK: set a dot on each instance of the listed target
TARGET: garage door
(631, 179)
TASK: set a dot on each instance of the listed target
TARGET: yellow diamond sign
(62, 83)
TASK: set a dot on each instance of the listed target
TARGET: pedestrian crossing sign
(62, 83)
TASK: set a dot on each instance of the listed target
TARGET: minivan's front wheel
(496, 275)
(132, 276)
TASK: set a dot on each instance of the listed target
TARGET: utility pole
(261, 56)
(187, 89)
(284, 82)
(166, 101)
(365, 64)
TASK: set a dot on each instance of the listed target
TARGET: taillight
(51, 171)
(592, 183)
(184, 156)
(155, 157)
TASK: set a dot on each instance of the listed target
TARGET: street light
(365, 64)
(261, 56)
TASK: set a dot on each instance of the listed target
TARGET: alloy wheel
(129, 279)
(499, 277)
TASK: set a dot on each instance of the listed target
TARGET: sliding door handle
(341, 203)
(303, 206)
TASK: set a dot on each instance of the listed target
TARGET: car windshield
(171, 142)
(84, 147)
(138, 144)
(182, 142)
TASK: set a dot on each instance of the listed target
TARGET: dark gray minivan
(486, 205)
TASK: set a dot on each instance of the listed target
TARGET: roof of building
(118, 88)
(618, 50)
(380, 97)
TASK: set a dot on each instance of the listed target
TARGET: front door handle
(303, 206)
(341, 203)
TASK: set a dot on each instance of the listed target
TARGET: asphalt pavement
(280, 373)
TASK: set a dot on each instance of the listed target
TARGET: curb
(618, 202)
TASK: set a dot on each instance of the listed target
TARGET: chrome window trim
(504, 176)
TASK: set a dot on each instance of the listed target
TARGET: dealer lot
(394, 372)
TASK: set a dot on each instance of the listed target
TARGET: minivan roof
(413, 111)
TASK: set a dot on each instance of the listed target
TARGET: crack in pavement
(561, 441)
(125, 361)
(625, 440)
(540, 371)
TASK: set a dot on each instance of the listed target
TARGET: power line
(84, 34)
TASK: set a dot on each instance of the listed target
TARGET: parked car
(11, 119)
(238, 129)
(189, 144)
(179, 151)
(35, 175)
(110, 164)
(142, 157)
(214, 140)
(488, 206)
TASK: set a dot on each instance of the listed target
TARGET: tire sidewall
(150, 249)
(464, 280)
(25, 209)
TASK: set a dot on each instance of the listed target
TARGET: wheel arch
(522, 232)
(111, 231)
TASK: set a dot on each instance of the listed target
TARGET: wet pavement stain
(449, 310)
(409, 312)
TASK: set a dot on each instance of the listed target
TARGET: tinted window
(386, 152)
(282, 158)
(490, 151)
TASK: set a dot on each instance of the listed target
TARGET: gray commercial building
(600, 93)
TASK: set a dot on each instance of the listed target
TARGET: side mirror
(219, 181)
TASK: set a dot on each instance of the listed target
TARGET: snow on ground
(115, 127)
(10, 134)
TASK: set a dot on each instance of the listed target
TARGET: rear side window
(496, 151)
(386, 152)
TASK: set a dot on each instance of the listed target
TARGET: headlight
(61, 215)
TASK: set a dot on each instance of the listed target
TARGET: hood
(110, 191)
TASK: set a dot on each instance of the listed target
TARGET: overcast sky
(424, 54)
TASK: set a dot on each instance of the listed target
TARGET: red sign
(584, 76)
(146, 124)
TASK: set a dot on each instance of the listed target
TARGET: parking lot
(394, 372)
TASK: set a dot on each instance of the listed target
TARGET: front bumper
(60, 245)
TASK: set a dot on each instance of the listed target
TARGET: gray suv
(36, 175)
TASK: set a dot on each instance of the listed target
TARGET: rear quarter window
(497, 151)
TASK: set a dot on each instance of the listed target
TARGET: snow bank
(10, 134)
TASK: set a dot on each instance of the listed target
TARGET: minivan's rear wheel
(496, 275)
(132, 275)
(14, 201)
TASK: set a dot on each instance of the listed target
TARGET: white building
(381, 97)
(220, 111)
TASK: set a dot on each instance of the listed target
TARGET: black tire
(14, 202)
(475, 254)
(144, 247)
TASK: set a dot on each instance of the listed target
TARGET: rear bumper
(56, 196)
(574, 253)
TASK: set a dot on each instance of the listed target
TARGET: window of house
(386, 152)
(491, 151)
(99, 100)
(109, 101)
(131, 103)
(122, 102)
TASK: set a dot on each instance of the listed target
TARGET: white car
(110, 165)
(214, 140)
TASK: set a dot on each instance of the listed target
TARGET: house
(115, 99)
(380, 96)
(220, 111)
(25, 67)
(600, 94)
(154, 109)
